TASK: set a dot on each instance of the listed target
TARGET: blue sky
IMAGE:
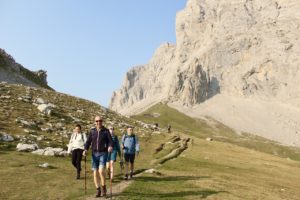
(86, 46)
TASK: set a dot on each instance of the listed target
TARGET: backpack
(76, 136)
(126, 136)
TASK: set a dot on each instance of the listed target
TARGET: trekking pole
(85, 174)
(110, 184)
(121, 163)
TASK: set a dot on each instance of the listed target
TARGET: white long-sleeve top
(77, 141)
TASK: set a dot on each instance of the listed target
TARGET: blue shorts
(99, 160)
(112, 156)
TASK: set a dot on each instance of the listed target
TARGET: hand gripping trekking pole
(110, 184)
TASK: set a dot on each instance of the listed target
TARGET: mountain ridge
(225, 50)
(13, 72)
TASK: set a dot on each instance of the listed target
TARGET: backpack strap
(126, 136)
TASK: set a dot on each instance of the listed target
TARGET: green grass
(230, 167)
(217, 170)
(201, 129)
(21, 178)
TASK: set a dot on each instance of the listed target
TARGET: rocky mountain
(236, 61)
(12, 72)
(45, 118)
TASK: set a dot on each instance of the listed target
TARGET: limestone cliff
(245, 49)
(12, 72)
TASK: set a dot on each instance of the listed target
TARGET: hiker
(155, 126)
(112, 156)
(169, 128)
(102, 144)
(130, 146)
(76, 147)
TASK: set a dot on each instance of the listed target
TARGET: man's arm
(137, 145)
(89, 141)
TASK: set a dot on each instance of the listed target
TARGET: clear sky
(86, 46)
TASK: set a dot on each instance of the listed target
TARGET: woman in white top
(76, 146)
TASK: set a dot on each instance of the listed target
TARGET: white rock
(26, 147)
(45, 109)
(4, 97)
(150, 171)
(40, 101)
(39, 151)
(45, 165)
(6, 138)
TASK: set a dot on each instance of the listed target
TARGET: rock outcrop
(246, 49)
(12, 72)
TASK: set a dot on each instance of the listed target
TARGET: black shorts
(129, 158)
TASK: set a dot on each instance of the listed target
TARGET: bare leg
(111, 169)
(131, 167)
(126, 167)
(102, 175)
(96, 178)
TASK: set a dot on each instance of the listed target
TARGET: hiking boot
(104, 191)
(98, 194)
(131, 174)
(126, 177)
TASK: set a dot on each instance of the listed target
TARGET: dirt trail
(119, 188)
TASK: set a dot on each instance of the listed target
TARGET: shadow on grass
(199, 194)
(2, 152)
(7, 146)
(47, 168)
(169, 178)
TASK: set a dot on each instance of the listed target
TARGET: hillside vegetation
(185, 165)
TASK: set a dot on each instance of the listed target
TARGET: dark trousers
(76, 159)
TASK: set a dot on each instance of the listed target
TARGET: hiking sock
(131, 174)
(98, 194)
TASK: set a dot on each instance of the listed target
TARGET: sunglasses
(98, 121)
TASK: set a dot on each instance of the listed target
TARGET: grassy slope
(212, 170)
(202, 129)
(240, 168)
(20, 176)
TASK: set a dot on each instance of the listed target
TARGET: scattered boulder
(39, 152)
(40, 101)
(45, 165)
(6, 138)
(155, 115)
(40, 138)
(45, 109)
(5, 97)
(209, 139)
(49, 151)
(25, 123)
(27, 147)
(26, 99)
(153, 171)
